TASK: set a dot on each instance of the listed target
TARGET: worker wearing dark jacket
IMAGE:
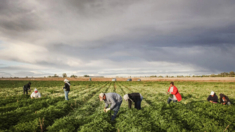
(112, 99)
(134, 97)
(66, 88)
(26, 88)
(213, 98)
(224, 99)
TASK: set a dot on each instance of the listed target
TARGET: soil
(196, 79)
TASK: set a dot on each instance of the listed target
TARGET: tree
(86, 76)
(55, 75)
(64, 75)
(231, 73)
(74, 76)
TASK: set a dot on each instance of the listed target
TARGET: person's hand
(108, 109)
(211, 101)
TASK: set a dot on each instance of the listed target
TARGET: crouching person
(213, 98)
(134, 97)
(35, 94)
(112, 99)
(175, 94)
(224, 99)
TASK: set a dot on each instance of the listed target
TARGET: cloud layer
(116, 38)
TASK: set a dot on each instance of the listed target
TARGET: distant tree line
(223, 74)
(64, 75)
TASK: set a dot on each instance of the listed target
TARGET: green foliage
(84, 112)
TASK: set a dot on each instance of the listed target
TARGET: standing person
(35, 94)
(112, 99)
(213, 98)
(66, 88)
(174, 91)
(224, 99)
(26, 88)
(134, 97)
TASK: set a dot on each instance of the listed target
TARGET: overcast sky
(116, 38)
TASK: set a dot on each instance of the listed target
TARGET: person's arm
(113, 103)
(129, 103)
(208, 99)
(106, 105)
(168, 91)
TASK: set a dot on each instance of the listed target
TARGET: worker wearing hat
(213, 98)
(66, 89)
(112, 99)
(134, 97)
(35, 94)
(26, 87)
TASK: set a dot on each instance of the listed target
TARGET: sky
(116, 38)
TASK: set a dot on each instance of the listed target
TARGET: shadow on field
(185, 97)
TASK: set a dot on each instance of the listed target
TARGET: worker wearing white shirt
(35, 94)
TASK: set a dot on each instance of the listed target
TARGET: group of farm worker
(36, 94)
(213, 98)
(115, 100)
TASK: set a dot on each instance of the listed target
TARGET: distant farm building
(139, 80)
(129, 80)
(114, 79)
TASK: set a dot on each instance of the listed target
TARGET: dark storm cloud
(198, 34)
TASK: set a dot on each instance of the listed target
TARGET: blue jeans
(66, 95)
(116, 109)
(138, 104)
(170, 99)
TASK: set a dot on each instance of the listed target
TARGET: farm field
(84, 112)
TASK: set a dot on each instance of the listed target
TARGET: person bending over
(134, 97)
(112, 99)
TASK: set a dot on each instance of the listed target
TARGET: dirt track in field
(201, 79)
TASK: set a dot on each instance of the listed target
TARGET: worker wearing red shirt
(174, 91)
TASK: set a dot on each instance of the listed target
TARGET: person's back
(134, 97)
(67, 86)
(110, 97)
